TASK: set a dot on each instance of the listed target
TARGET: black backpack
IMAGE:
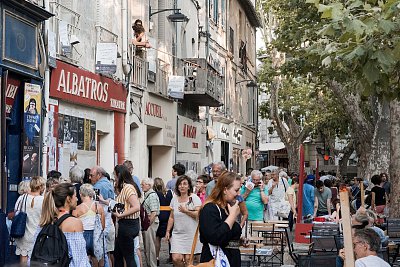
(51, 247)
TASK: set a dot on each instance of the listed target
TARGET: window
(216, 9)
(223, 12)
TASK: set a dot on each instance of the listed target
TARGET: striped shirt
(127, 191)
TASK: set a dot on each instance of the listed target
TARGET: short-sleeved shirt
(380, 197)
(323, 198)
(290, 191)
(308, 199)
(171, 183)
(371, 261)
(127, 191)
(210, 187)
(151, 202)
(254, 203)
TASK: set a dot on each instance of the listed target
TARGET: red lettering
(195, 145)
(189, 131)
(153, 110)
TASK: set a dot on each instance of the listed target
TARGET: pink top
(202, 196)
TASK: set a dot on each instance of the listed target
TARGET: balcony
(203, 84)
(139, 69)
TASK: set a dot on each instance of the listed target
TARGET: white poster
(52, 153)
(176, 86)
(64, 38)
(106, 58)
(60, 159)
(51, 46)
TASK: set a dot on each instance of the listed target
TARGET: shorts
(88, 235)
(110, 238)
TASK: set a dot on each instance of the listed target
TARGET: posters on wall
(92, 136)
(32, 127)
(76, 133)
(81, 133)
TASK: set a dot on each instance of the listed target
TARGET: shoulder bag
(98, 237)
(18, 225)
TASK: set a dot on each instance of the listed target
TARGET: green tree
(300, 31)
(363, 38)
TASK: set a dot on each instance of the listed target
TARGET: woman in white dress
(185, 208)
(31, 203)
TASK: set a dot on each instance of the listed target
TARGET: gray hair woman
(151, 204)
(86, 212)
(76, 175)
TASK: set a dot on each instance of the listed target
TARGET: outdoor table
(278, 231)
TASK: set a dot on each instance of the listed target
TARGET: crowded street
(217, 133)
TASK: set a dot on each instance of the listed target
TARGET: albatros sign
(75, 85)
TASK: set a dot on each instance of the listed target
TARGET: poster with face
(32, 108)
(32, 128)
(67, 129)
(92, 135)
(74, 130)
(81, 133)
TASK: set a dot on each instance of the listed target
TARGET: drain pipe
(45, 126)
(126, 70)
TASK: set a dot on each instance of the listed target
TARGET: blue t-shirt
(105, 187)
(254, 203)
(308, 199)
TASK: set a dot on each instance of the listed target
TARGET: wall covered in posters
(32, 129)
(69, 137)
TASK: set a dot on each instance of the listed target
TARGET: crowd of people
(110, 216)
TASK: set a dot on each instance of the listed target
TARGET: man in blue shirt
(99, 181)
(308, 195)
(177, 170)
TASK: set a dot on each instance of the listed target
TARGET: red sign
(11, 92)
(83, 87)
(189, 131)
(153, 110)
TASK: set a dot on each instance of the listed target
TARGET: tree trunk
(394, 211)
(379, 156)
(294, 157)
(347, 151)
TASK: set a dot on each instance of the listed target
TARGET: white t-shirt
(370, 261)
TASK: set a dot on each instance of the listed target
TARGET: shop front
(222, 143)
(190, 144)
(86, 120)
(21, 87)
(238, 146)
(160, 119)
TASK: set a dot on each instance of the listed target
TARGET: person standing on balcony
(139, 39)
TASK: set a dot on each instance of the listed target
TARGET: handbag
(210, 263)
(283, 207)
(98, 237)
(18, 225)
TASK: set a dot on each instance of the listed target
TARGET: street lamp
(177, 16)
(250, 83)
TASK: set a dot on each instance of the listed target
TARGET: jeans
(291, 220)
(128, 229)
(88, 235)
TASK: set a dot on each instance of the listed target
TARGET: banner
(32, 128)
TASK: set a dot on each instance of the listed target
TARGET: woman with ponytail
(58, 202)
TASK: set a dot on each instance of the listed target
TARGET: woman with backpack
(57, 206)
(31, 204)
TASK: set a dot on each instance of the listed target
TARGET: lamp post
(177, 16)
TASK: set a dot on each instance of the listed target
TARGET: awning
(271, 146)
